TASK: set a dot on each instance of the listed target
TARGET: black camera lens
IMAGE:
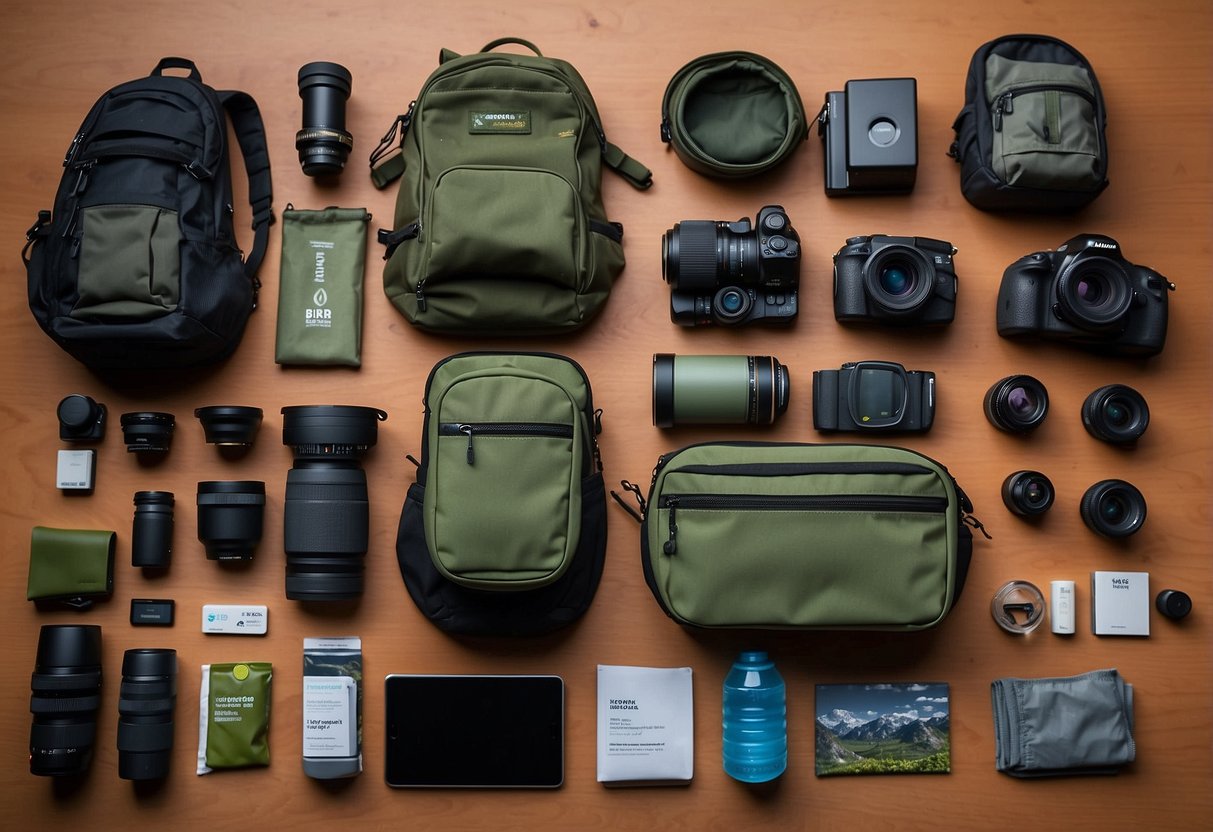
(1094, 293)
(66, 688)
(230, 517)
(731, 304)
(1027, 493)
(899, 279)
(145, 713)
(1116, 414)
(323, 143)
(152, 530)
(81, 419)
(718, 389)
(327, 510)
(1017, 404)
(691, 256)
(1113, 508)
(231, 425)
(148, 432)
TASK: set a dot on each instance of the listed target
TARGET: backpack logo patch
(500, 121)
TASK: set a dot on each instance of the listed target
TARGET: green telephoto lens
(718, 389)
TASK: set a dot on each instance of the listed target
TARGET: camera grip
(825, 399)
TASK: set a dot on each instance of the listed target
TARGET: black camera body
(1088, 294)
(732, 273)
(873, 396)
(895, 280)
(869, 135)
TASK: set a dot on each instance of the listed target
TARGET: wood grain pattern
(1154, 64)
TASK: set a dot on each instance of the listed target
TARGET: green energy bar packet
(234, 716)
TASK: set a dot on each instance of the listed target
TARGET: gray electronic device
(869, 134)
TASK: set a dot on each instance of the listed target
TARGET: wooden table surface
(1153, 59)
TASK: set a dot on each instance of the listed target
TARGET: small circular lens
(1027, 493)
(1017, 404)
(1094, 293)
(731, 304)
(895, 280)
(1113, 508)
(898, 279)
(147, 432)
(1116, 414)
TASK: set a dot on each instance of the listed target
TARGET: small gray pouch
(1072, 725)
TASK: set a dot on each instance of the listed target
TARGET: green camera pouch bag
(804, 537)
(732, 114)
(70, 566)
(234, 715)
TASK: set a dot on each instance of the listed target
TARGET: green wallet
(73, 567)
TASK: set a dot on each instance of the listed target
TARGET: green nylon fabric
(804, 568)
(238, 715)
(70, 563)
(130, 263)
(320, 287)
(1050, 139)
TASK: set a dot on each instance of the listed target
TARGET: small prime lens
(1027, 493)
(147, 431)
(718, 389)
(1116, 414)
(145, 713)
(230, 517)
(1094, 293)
(229, 425)
(66, 688)
(327, 508)
(324, 144)
(152, 530)
(899, 279)
(1113, 508)
(1017, 404)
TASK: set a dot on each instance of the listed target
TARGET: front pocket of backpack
(1046, 137)
(130, 263)
(510, 224)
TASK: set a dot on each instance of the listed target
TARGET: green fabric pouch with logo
(320, 287)
(234, 715)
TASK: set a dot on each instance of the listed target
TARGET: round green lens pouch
(732, 114)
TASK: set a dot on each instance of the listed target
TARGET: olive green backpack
(500, 227)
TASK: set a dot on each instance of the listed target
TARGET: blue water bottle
(755, 722)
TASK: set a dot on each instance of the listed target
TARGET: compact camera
(1088, 294)
(895, 280)
(873, 396)
(730, 273)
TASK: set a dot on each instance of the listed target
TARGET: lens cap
(231, 425)
(1173, 603)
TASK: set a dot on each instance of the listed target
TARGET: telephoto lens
(1017, 404)
(1027, 493)
(1116, 414)
(323, 143)
(230, 517)
(145, 713)
(147, 432)
(1113, 508)
(327, 510)
(66, 689)
(718, 389)
(152, 530)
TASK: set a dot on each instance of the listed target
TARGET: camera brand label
(1098, 244)
(501, 121)
(239, 620)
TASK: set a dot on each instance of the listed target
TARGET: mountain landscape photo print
(883, 729)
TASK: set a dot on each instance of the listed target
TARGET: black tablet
(475, 731)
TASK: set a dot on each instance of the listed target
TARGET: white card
(646, 730)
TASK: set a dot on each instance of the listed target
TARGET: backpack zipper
(1004, 103)
(524, 429)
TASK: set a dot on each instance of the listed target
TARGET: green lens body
(718, 389)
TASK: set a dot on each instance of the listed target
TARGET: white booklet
(646, 727)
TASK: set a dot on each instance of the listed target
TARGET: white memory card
(235, 619)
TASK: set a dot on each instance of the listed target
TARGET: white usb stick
(1061, 608)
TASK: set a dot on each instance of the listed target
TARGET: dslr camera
(895, 280)
(730, 273)
(1088, 294)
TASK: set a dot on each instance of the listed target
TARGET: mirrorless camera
(1088, 294)
(895, 280)
(873, 396)
(730, 273)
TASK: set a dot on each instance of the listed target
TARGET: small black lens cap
(1173, 603)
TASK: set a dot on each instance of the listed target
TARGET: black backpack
(138, 265)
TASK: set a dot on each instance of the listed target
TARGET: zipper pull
(71, 150)
(392, 239)
(1001, 106)
(389, 141)
(421, 308)
(634, 490)
(972, 522)
(671, 545)
(471, 453)
(666, 135)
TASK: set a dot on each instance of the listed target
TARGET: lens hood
(230, 425)
(330, 429)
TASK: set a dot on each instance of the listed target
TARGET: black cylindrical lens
(152, 531)
(145, 713)
(147, 431)
(1094, 293)
(327, 507)
(718, 389)
(230, 516)
(1113, 508)
(899, 279)
(1116, 414)
(229, 424)
(1017, 404)
(1027, 493)
(66, 687)
(323, 143)
(688, 256)
(81, 419)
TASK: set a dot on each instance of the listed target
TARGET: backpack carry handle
(491, 45)
(177, 63)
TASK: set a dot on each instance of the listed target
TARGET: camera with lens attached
(873, 396)
(1086, 293)
(895, 280)
(730, 273)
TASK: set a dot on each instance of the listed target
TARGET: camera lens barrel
(690, 260)
(230, 518)
(1028, 493)
(1113, 508)
(145, 713)
(66, 692)
(1094, 293)
(899, 279)
(147, 431)
(1017, 404)
(718, 389)
(152, 530)
(1116, 414)
(324, 144)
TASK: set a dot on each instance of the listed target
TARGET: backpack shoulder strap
(250, 132)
